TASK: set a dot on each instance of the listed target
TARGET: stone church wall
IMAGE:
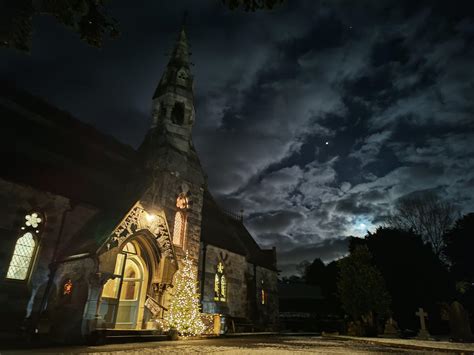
(69, 315)
(268, 310)
(24, 297)
(173, 186)
(235, 271)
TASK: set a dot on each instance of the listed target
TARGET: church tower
(171, 161)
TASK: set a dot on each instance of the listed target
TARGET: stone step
(119, 336)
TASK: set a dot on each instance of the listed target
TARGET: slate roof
(226, 232)
(48, 149)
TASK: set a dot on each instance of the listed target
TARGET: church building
(93, 231)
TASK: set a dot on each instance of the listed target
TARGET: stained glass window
(220, 284)
(67, 288)
(22, 257)
(25, 247)
(223, 288)
(129, 248)
(216, 287)
(182, 202)
(178, 231)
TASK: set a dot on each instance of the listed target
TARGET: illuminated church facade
(93, 231)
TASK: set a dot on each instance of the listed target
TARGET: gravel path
(247, 345)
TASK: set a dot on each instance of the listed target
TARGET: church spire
(177, 75)
(173, 101)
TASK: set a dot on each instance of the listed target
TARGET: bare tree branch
(427, 215)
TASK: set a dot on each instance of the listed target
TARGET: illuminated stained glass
(182, 202)
(179, 228)
(216, 287)
(129, 248)
(33, 220)
(220, 284)
(22, 257)
(223, 288)
(67, 288)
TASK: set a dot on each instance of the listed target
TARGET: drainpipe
(54, 264)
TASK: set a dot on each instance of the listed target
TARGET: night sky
(313, 118)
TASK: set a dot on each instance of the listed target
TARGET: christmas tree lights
(183, 312)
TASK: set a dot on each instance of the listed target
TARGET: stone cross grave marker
(423, 333)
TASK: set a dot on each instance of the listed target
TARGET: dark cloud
(313, 118)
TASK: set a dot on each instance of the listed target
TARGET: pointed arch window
(180, 219)
(25, 248)
(220, 284)
(263, 294)
(177, 113)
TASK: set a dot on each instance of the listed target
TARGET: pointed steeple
(173, 103)
(177, 73)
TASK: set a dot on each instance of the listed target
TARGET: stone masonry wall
(268, 310)
(24, 297)
(235, 271)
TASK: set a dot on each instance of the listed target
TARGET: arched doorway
(123, 298)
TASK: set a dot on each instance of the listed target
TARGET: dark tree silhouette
(427, 215)
(325, 276)
(362, 288)
(315, 273)
(459, 248)
(414, 275)
(88, 18)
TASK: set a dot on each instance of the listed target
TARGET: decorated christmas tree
(183, 313)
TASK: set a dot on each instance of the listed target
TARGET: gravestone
(459, 323)
(423, 333)
(391, 329)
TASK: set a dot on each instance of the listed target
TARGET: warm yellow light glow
(67, 288)
(150, 217)
(183, 313)
(220, 284)
(179, 228)
(223, 288)
(182, 202)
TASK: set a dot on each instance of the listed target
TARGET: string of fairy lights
(184, 309)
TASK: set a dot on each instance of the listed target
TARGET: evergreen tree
(361, 287)
(183, 313)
